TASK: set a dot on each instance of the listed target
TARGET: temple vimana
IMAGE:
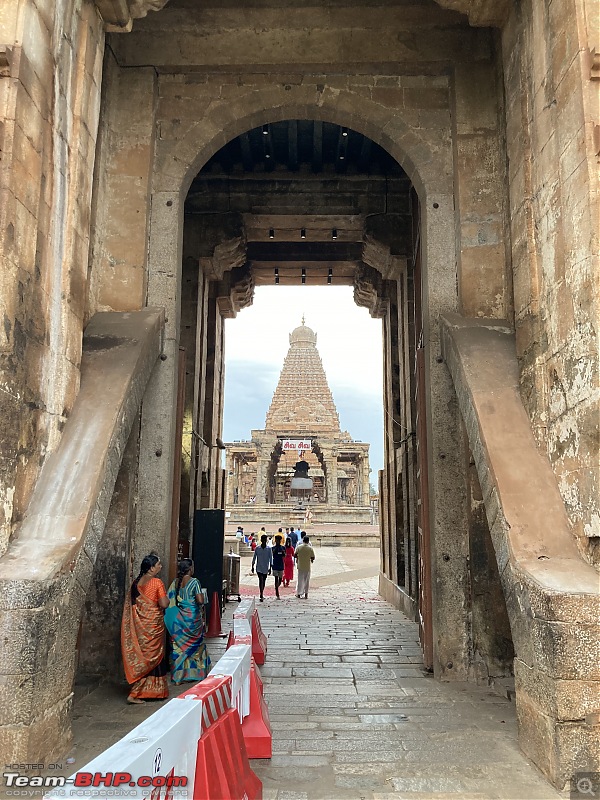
(302, 424)
(160, 160)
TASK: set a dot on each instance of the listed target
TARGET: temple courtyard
(353, 712)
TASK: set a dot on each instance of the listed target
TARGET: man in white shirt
(304, 556)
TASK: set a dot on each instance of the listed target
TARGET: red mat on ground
(284, 591)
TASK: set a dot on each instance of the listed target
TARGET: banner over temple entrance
(296, 444)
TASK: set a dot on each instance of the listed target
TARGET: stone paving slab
(355, 716)
(399, 733)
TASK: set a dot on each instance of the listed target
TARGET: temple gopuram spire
(302, 426)
(303, 396)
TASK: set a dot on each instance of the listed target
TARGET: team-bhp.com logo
(161, 786)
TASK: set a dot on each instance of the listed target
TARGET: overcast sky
(349, 342)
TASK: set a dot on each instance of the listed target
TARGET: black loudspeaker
(207, 549)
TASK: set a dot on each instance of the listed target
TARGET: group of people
(278, 558)
(149, 610)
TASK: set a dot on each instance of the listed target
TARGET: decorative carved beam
(369, 291)
(235, 291)
(118, 15)
(481, 13)
(379, 256)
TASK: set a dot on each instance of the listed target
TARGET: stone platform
(284, 514)
(326, 535)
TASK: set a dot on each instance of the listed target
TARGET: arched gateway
(482, 275)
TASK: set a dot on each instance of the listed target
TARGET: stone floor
(354, 715)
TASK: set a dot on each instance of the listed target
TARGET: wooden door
(425, 616)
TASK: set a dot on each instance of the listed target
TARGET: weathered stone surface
(71, 498)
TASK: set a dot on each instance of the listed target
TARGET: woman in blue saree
(185, 620)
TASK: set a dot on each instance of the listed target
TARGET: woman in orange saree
(143, 635)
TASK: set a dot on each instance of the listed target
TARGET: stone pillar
(330, 458)
(232, 472)
(262, 467)
(447, 484)
(391, 567)
(198, 456)
(155, 483)
(366, 498)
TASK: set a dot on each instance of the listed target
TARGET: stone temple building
(302, 412)
(162, 158)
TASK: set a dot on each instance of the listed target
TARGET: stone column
(330, 458)
(364, 470)
(155, 482)
(262, 466)
(446, 454)
(232, 471)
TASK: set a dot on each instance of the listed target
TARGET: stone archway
(427, 158)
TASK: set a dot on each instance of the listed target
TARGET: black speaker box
(207, 549)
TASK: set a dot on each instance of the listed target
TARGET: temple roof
(303, 402)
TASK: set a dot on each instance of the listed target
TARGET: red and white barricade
(192, 748)
(150, 762)
(247, 610)
(236, 663)
(222, 768)
(256, 725)
(241, 633)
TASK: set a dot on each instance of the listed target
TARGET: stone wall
(552, 116)
(50, 75)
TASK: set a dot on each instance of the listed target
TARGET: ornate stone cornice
(481, 13)
(379, 256)
(118, 15)
(369, 291)
(228, 254)
(235, 291)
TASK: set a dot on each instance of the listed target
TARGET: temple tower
(302, 422)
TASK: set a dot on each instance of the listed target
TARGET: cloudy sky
(348, 341)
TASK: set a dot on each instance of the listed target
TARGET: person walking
(288, 562)
(294, 538)
(263, 558)
(278, 551)
(143, 634)
(304, 556)
(185, 619)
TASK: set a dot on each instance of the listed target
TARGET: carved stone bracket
(481, 13)
(595, 65)
(119, 14)
(235, 291)
(369, 291)
(379, 256)
(227, 255)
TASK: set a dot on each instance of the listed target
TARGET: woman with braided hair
(185, 619)
(143, 634)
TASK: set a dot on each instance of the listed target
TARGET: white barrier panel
(245, 608)
(241, 627)
(237, 662)
(155, 760)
